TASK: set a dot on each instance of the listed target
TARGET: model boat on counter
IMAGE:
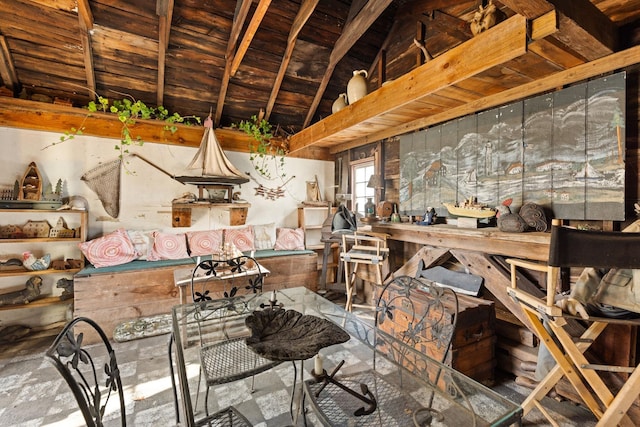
(470, 208)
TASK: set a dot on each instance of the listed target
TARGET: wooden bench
(112, 295)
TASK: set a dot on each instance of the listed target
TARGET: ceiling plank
(254, 24)
(350, 35)
(85, 22)
(306, 9)
(164, 10)
(615, 61)
(242, 10)
(7, 68)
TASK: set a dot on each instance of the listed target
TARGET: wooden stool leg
(347, 285)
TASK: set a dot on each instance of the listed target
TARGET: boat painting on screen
(563, 151)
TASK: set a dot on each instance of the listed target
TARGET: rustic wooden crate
(473, 345)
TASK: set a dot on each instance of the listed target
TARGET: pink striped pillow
(114, 248)
(168, 246)
(289, 239)
(242, 238)
(204, 242)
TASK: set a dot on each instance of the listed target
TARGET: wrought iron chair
(363, 251)
(411, 314)
(230, 359)
(569, 248)
(93, 375)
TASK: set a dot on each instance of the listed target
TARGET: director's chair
(568, 248)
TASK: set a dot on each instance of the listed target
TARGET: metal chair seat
(231, 360)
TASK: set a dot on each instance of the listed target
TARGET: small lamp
(375, 181)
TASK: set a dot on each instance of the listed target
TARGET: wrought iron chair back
(235, 274)
(420, 314)
(92, 372)
(229, 359)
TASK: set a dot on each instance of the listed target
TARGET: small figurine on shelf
(32, 263)
(25, 296)
(67, 286)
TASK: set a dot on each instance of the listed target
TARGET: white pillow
(264, 236)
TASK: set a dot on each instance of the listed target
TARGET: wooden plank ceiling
(291, 59)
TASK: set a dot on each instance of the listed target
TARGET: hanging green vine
(128, 111)
(264, 152)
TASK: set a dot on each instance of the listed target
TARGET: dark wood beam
(85, 22)
(583, 27)
(164, 10)
(242, 10)
(306, 9)
(7, 68)
(254, 24)
(350, 35)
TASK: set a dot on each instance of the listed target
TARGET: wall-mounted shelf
(181, 212)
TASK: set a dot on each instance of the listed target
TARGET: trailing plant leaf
(264, 152)
(128, 111)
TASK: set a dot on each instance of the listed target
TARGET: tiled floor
(33, 394)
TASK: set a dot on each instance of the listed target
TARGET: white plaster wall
(145, 192)
(146, 195)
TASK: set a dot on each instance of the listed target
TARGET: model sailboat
(213, 164)
(216, 171)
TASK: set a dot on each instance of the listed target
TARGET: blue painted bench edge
(89, 269)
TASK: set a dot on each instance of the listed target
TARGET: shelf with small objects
(39, 254)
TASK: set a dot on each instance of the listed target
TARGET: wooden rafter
(256, 20)
(7, 69)
(350, 35)
(164, 10)
(85, 22)
(584, 28)
(306, 9)
(242, 10)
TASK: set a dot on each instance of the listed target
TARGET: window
(361, 171)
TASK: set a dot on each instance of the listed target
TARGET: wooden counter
(489, 240)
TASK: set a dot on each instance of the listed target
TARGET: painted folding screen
(564, 151)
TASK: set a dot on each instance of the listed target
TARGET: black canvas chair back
(590, 249)
(570, 247)
(90, 371)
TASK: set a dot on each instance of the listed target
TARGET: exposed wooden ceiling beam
(615, 61)
(164, 10)
(254, 24)
(85, 22)
(306, 9)
(26, 114)
(242, 10)
(7, 69)
(509, 41)
(583, 27)
(350, 35)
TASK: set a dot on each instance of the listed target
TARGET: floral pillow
(168, 246)
(114, 248)
(242, 238)
(289, 239)
(264, 236)
(204, 242)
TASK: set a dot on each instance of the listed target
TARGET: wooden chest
(473, 346)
